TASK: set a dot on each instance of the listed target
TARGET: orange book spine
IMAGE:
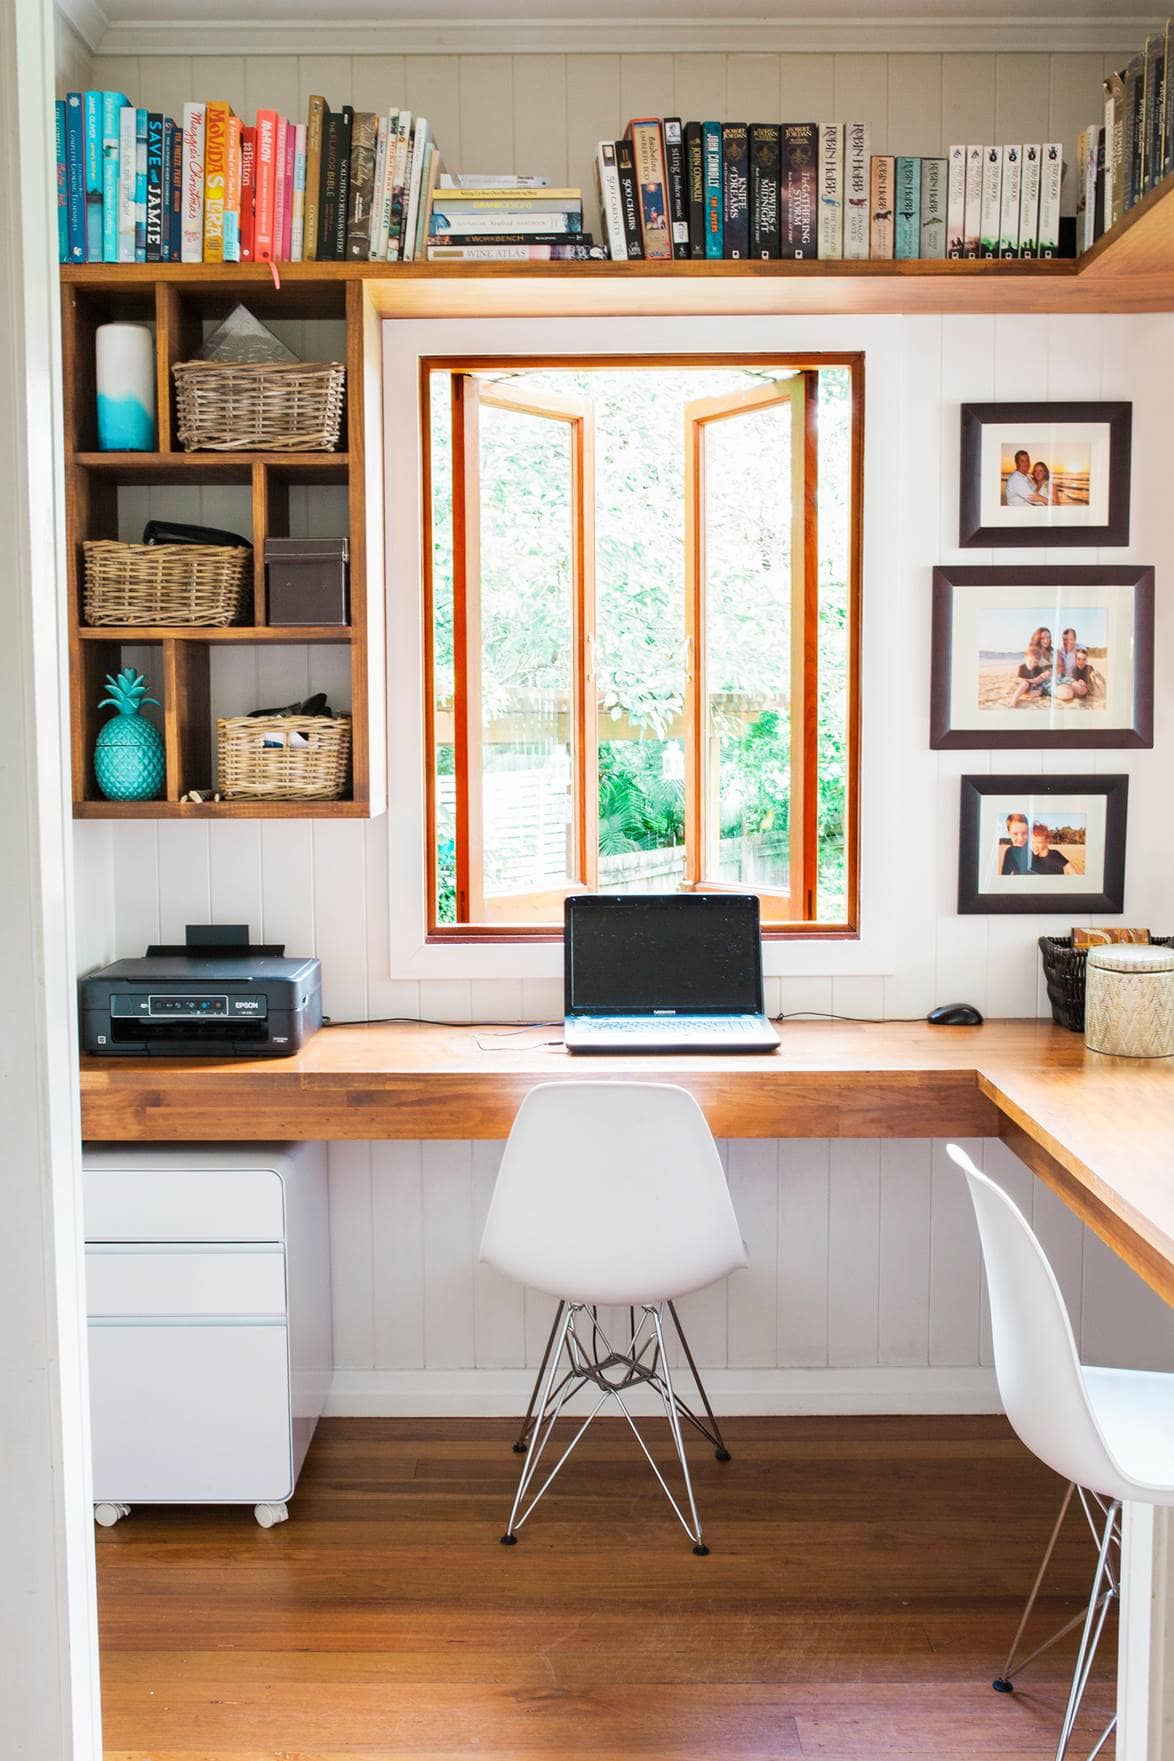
(215, 181)
(266, 174)
(232, 193)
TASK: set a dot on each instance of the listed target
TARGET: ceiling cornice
(634, 35)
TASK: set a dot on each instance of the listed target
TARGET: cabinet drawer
(184, 1280)
(168, 1204)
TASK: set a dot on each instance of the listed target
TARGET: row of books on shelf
(135, 186)
(764, 190)
(1122, 158)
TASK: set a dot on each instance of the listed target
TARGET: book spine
(1131, 145)
(399, 176)
(192, 231)
(934, 182)
(629, 199)
(266, 180)
(1115, 123)
(695, 187)
(62, 182)
(342, 207)
(387, 196)
(113, 104)
(767, 190)
(126, 184)
(1156, 145)
(93, 133)
(280, 247)
(799, 203)
(75, 176)
(232, 192)
(1167, 133)
(651, 186)
(907, 218)
(169, 131)
(504, 220)
(831, 190)
(498, 253)
(375, 249)
(140, 186)
(1152, 102)
(880, 232)
(1029, 181)
(361, 184)
(1098, 225)
(956, 202)
(1088, 148)
(1051, 175)
(154, 215)
(415, 175)
(735, 191)
(857, 177)
(990, 202)
(711, 187)
(1009, 206)
(972, 231)
(248, 220)
(1082, 153)
(297, 240)
(174, 190)
(291, 141)
(215, 180)
(314, 126)
(328, 201)
(610, 208)
(429, 173)
(675, 185)
(1110, 164)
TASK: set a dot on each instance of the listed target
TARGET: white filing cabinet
(208, 1294)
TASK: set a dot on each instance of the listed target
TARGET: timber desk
(1099, 1131)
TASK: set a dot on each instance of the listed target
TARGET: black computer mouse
(954, 1015)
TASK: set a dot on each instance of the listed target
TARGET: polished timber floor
(865, 1578)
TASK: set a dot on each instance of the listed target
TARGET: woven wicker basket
(164, 583)
(249, 770)
(1064, 975)
(261, 406)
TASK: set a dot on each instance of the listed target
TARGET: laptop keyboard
(669, 1027)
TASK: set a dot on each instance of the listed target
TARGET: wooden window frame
(810, 361)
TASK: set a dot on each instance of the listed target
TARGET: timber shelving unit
(1130, 269)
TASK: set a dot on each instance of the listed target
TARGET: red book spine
(248, 190)
(291, 145)
(279, 190)
(266, 185)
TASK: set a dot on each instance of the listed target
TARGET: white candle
(126, 388)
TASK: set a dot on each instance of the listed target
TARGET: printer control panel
(191, 1006)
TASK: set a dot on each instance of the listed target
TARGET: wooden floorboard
(864, 1580)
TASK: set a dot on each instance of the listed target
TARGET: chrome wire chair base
(612, 1374)
(1105, 1591)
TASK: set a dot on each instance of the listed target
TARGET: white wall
(74, 69)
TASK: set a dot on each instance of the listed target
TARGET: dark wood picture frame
(1140, 732)
(972, 534)
(1111, 898)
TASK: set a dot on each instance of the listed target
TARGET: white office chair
(1109, 1432)
(610, 1192)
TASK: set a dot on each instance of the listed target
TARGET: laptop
(664, 972)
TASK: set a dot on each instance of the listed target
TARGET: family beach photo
(1031, 480)
(1023, 665)
(1046, 843)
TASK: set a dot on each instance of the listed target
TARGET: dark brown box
(306, 580)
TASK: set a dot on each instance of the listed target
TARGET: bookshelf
(1129, 269)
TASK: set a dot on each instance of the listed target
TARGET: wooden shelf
(221, 810)
(213, 467)
(277, 633)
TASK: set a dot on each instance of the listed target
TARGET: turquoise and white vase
(126, 388)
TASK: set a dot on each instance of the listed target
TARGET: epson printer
(217, 996)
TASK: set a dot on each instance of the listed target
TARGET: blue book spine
(93, 102)
(140, 186)
(62, 184)
(75, 176)
(711, 152)
(165, 216)
(907, 218)
(176, 192)
(112, 103)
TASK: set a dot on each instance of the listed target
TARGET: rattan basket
(1065, 975)
(164, 583)
(249, 770)
(262, 406)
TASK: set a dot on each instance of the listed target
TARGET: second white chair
(610, 1193)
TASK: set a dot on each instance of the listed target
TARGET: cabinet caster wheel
(269, 1514)
(106, 1515)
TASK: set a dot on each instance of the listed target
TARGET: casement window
(642, 616)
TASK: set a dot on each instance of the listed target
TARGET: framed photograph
(1042, 657)
(1042, 843)
(1045, 474)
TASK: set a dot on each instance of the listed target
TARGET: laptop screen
(648, 951)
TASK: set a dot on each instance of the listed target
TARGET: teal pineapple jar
(128, 753)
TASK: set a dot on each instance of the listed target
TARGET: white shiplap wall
(865, 1284)
(544, 113)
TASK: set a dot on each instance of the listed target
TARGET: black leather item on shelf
(175, 532)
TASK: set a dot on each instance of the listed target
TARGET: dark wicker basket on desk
(1064, 975)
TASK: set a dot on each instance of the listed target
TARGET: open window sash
(746, 749)
(526, 755)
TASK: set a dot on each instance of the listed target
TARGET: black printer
(217, 996)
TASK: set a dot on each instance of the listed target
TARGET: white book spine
(831, 190)
(403, 155)
(972, 231)
(992, 190)
(1029, 201)
(610, 205)
(383, 200)
(932, 236)
(377, 188)
(956, 204)
(1087, 230)
(412, 193)
(127, 172)
(297, 219)
(192, 212)
(857, 189)
(1009, 210)
(1051, 175)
